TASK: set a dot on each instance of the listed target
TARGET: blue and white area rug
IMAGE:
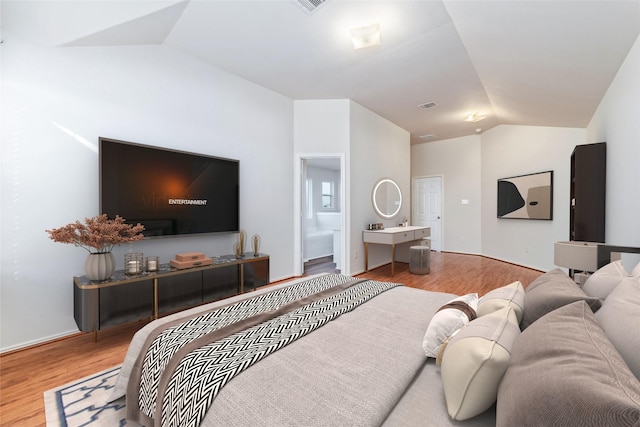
(84, 403)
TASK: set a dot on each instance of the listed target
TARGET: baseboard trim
(37, 343)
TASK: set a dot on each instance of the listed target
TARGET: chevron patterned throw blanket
(186, 364)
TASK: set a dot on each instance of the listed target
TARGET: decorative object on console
(133, 263)
(256, 244)
(98, 235)
(153, 264)
(99, 265)
(239, 246)
(189, 260)
(526, 196)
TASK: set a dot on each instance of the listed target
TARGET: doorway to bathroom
(321, 215)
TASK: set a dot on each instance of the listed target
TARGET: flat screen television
(170, 192)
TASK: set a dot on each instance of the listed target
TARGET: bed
(353, 354)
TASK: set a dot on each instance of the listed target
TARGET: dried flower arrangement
(99, 234)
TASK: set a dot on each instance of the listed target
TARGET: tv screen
(169, 192)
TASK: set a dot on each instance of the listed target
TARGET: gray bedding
(365, 368)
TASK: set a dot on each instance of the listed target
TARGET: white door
(426, 207)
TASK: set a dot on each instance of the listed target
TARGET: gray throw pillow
(565, 372)
(552, 290)
(620, 319)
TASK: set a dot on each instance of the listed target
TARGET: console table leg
(393, 259)
(155, 298)
(366, 256)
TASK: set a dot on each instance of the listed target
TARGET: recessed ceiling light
(474, 117)
(366, 36)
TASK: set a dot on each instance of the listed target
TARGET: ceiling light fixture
(366, 36)
(474, 117)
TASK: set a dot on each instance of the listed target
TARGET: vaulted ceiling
(539, 62)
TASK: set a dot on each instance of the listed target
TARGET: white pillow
(475, 361)
(602, 282)
(508, 295)
(448, 319)
(636, 270)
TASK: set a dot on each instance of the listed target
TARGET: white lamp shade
(582, 256)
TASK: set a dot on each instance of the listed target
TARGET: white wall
(617, 121)
(518, 150)
(459, 162)
(372, 148)
(471, 167)
(58, 101)
(378, 149)
(320, 128)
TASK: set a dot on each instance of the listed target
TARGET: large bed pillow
(636, 270)
(549, 291)
(602, 282)
(475, 360)
(619, 316)
(565, 372)
(511, 295)
(448, 319)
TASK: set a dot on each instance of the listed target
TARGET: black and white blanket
(186, 364)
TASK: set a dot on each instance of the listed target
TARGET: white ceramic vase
(99, 266)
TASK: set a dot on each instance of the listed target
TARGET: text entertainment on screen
(170, 192)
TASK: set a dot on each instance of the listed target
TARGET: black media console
(126, 298)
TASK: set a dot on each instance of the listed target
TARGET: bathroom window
(328, 195)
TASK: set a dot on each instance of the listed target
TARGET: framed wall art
(526, 196)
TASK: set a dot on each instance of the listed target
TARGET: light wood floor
(26, 374)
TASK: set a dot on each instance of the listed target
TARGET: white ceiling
(540, 62)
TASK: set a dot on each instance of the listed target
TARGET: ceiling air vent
(427, 137)
(309, 6)
(427, 105)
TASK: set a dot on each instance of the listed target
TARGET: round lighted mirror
(386, 198)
